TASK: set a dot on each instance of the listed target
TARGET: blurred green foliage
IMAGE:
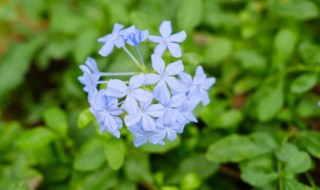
(261, 130)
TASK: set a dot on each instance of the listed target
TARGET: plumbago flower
(153, 105)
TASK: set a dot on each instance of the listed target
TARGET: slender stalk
(102, 82)
(106, 82)
(143, 69)
(311, 181)
(116, 74)
(131, 56)
(140, 56)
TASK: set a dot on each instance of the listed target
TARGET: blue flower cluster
(152, 105)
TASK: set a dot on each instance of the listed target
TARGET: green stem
(142, 68)
(311, 181)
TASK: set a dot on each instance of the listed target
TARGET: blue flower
(135, 37)
(90, 77)
(141, 137)
(133, 92)
(167, 127)
(106, 110)
(145, 115)
(187, 107)
(168, 40)
(171, 104)
(164, 77)
(199, 86)
(113, 39)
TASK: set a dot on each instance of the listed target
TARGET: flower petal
(116, 88)
(175, 84)
(160, 49)
(177, 100)
(157, 63)
(193, 102)
(142, 95)
(130, 105)
(92, 64)
(186, 79)
(150, 79)
(158, 136)
(156, 39)
(190, 116)
(148, 123)
(106, 49)
(205, 100)
(160, 89)
(165, 29)
(155, 110)
(105, 39)
(140, 141)
(174, 68)
(110, 123)
(116, 28)
(131, 120)
(163, 95)
(208, 83)
(171, 134)
(178, 37)
(136, 81)
(174, 49)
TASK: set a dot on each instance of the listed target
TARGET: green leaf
(270, 101)
(303, 83)
(8, 134)
(85, 43)
(246, 84)
(15, 64)
(56, 119)
(309, 52)
(291, 184)
(300, 10)
(101, 179)
(197, 164)
(35, 138)
(236, 148)
(258, 172)
(90, 157)
(218, 50)
(85, 118)
(310, 141)
(284, 43)
(296, 161)
(190, 181)
(137, 166)
(115, 152)
(251, 60)
(169, 145)
(187, 19)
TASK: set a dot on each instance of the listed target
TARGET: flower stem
(140, 56)
(143, 69)
(116, 74)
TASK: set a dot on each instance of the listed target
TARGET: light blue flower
(135, 37)
(186, 109)
(166, 127)
(141, 137)
(145, 114)
(106, 110)
(133, 92)
(164, 77)
(90, 77)
(171, 104)
(168, 40)
(199, 86)
(113, 39)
